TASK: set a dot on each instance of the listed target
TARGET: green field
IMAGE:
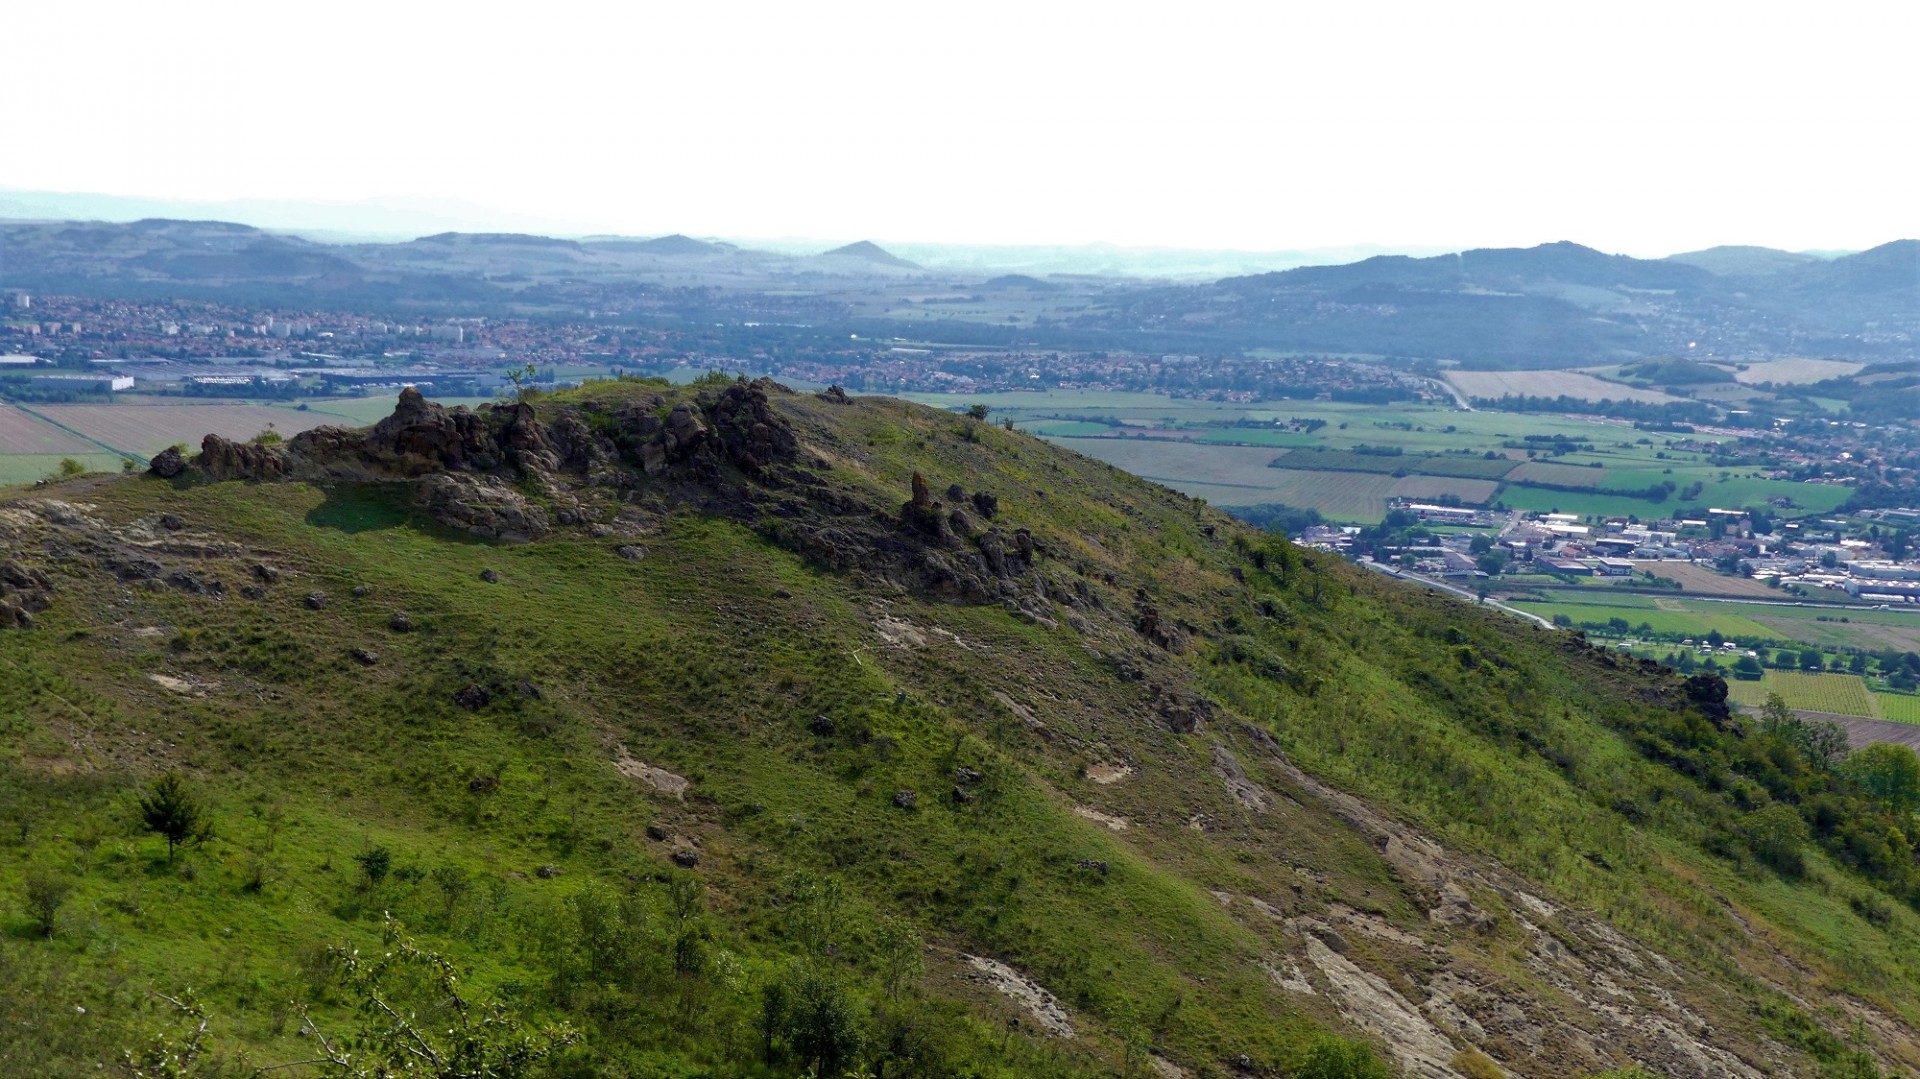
(1685, 622)
(1900, 631)
(28, 467)
(1839, 694)
(1349, 461)
(1434, 440)
(1899, 707)
(1355, 497)
(1521, 496)
(1254, 436)
(1067, 428)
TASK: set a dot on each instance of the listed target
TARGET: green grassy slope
(1217, 796)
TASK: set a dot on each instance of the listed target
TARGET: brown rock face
(752, 433)
(23, 592)
(422, 437)
(484, 508)
(224, 459)
(168, 463)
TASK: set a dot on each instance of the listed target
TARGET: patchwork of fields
(1557, 474)
(1177, 463)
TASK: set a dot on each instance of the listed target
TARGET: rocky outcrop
(751, 434)
(483, 508)
(224, 459)
(168, 463)
(514, 472)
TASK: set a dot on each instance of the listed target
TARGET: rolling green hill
(746, 732)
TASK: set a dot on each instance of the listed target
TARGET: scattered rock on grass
(1036, 1001)
(400, 623)
(667, 783)
(905, 799)
(168, 463)
(316, 600)
(473, 696)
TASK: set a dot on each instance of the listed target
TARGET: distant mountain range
(1544, 306)
(215, 256)
(389, 220)
(1555, 303)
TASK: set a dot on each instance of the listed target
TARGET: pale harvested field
(1177, 463)
(148, 429)
(1474, 492)
(1702, 581)
(1356, 497)
(1495, 384)
(21, 433)
(1789, 372)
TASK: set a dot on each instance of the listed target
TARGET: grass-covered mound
(746, 732)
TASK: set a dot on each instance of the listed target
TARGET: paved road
(1455, 591)
(1458, 397)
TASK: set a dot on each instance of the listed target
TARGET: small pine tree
(374, 866)
(170, 810)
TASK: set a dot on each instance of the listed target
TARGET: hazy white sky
(1645, 128)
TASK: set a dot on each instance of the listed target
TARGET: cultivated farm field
(1341, 496)
(23, 433)
(1177, 463)
(1796, 371)
(1680, 620)
(1839, 694)
(1428, 488)
(1703, 581)
(1351, 461)
(1900, 632)
(364, 411)
(1899, 707)
(1496, 384)
(148, 429)
(28, 467)
(1557, 474)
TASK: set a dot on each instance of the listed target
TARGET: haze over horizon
(1225, 129)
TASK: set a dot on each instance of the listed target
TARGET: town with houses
(92, 345)
(1865, 555)
(66, 348)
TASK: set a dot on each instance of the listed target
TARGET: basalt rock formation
(514, 472)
